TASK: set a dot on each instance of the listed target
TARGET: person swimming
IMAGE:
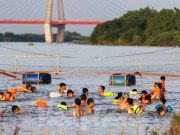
(17, 110)
(83, 100)
(85, 91)
(62, 87)
(133, 109)
(90, 106)
(62, 106)
(123, 105)
(159, 93)
(78, 111)
(161, 104)
(104, 94)
(70, 93)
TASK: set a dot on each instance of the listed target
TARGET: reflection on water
(106, 116)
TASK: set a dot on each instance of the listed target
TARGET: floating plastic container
(40, 78)
(122, 79)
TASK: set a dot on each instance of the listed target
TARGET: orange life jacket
(163, 85)
(22, 89)
(147, 101)
(60, 89)
(153, 90)
(41, 103)
(12, 90)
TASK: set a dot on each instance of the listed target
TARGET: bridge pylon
(61, 27)
(47, 24)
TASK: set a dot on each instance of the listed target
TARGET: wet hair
(119, 94)
(62, 84)
(84, 90)
(159, 110)
(124, 95)
(103, 88)
(77, 101)
(14, 107)
(144, 92)
(9, 93)
(90, 100)
(159, 85)
(134, 90)
(2, 94)
(83, 97)
(163, 78)
(117, 97)
(148, 97)
(33, 89)
(163, 100)
(69, 91)
(63, 103)
(28, 86)
(130, 101)
(155, 84)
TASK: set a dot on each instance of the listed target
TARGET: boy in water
(161, 104)
(90, 106)
(62, 88)
(123, 105)
(159, 93)
(33, 89)
(83, 100)
(8, 97)
(101, 90)
(161, 111)
(133, 109)
(78, 111)
(17, 110)
(70, 93)
(85, 91)
(162, 81)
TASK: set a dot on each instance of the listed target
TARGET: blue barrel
(125, 79)
(33, 78)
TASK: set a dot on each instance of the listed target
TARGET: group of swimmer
(122, 99)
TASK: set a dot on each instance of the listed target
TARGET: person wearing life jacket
(142, 96)
(104, 94)
(117, 99)
(153, 90)
(62, 88)
(62, 106)
(147, 100)
(162, 81)
(159, 93)
(133, 109)
(26, 88)
(9, 96)
(2, 97)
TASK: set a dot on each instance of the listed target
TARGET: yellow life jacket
(108, 94)
(3, 99)
(133, 92)
(136, 108)
(116, 102)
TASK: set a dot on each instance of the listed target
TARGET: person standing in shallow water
(78, 111)
(90, 106)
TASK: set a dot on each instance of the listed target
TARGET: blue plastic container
(33, 78)
(122, 79)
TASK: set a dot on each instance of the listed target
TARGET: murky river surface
(107, 118)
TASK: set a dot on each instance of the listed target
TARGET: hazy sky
(74, 10)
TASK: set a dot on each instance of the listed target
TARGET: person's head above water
(130, 101)
(70, 93)
(163, 78)
(77, 101)
(17, 110)
(161, 111)
(83, 97)
(90, 102)
(63, 86)
(1, 96)
(162, 101)
(119, 94)
(8, 95)
(63, 103)
(85, 91)
(125, 96)
(101, 89)
(33, 89)
(144, 92)
(28, 87)
(159, 86)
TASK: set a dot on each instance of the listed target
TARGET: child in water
(62, 88)
(159, 93)
(123, 105)
(133, 109)
(70, 93)
(161, 111)
(78, 111)
(101, 90)
(161, 104)
(85, 91)
(83, 100)
(90, 106)
(8, 97)
(17, 110)
(62, 106)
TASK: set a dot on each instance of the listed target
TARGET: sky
(92, 10)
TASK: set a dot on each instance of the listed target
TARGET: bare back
(78, 112)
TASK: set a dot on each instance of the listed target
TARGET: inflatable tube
(54, 94)
(116, 102)
(62, 107)
(41, 103)
(169, 108)
(108, 94)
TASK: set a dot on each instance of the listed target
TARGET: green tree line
(11, 37)
(141, 27)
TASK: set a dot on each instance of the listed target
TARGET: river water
(107, 118)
